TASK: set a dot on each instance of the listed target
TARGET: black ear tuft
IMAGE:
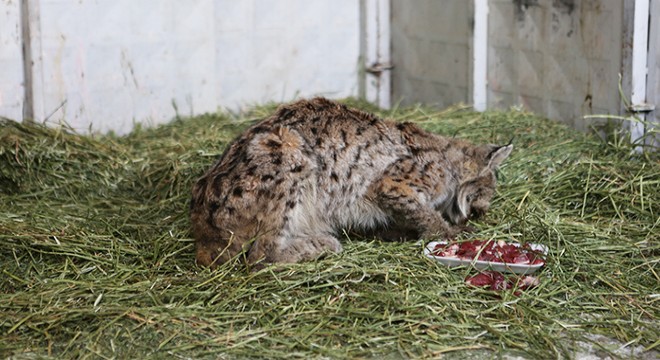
(498, 155)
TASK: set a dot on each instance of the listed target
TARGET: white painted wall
(279, 49)
(105, 64)
(639, 65)
(11, 63)
(102, 65)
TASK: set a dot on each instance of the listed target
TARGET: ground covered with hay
(97, 260)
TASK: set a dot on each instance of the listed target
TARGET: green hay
(97, 261)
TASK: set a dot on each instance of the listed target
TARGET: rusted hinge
(641, 108)
(378, 68)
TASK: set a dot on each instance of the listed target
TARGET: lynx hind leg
(294, 249)
(210, 254)
(216, 250)
(252, 208)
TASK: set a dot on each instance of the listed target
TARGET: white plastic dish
(487, 265)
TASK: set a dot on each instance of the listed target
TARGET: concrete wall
(431, 51)
(556, 58)
(105, 64)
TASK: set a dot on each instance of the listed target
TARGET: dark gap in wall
(28, 97)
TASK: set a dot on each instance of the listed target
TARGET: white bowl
(487, 265)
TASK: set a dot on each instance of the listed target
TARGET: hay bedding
(97, 260)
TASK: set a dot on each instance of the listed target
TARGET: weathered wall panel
(431, 51)
(104, 65)
(556, 58)
(273, 50)
(12, 89)
(107, 64)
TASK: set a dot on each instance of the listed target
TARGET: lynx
(284, 189)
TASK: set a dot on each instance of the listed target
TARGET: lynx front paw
(446, 233)
(468, 229)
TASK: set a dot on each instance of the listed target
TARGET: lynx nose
(476, 213)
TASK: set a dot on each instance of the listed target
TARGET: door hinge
(641, 108)
(378, 68)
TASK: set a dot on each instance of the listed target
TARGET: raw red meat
(481, 279)
(499, 251)
(496, 281)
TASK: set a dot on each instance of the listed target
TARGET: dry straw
(97, 261)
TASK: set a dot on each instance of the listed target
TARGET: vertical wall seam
(385, 53)
(362, 58)
(28, 89)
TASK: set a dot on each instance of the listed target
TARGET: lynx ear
(498, 155)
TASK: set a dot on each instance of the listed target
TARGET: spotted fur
(284, 188)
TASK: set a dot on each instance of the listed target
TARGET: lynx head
(474, 193)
